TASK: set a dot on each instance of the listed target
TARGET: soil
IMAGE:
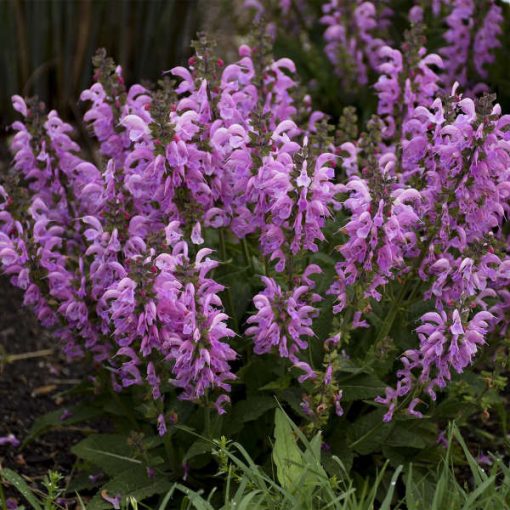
(31, 386)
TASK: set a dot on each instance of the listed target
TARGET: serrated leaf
(451, 408)
(82, 481)
(258, 371)
(397, 455)
(402, 435)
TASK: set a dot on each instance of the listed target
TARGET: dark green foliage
(298, 479)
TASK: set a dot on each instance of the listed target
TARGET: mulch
(32, 384)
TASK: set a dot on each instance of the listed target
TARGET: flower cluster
(463, 37)
(115, 254)
(406, 80)
(110, 255)
(464, 160)
(166, 309)
(380, 235)
(352, 36)
(283, 321)
(357, 32)
(294, 195)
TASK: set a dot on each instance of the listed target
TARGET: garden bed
(34, 381)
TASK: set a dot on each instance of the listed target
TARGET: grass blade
(21, 486)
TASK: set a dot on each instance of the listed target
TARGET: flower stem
(390, 318)
(230, 302)
(246, 252)
(207, 418)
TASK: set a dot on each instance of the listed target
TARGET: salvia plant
(224, 241)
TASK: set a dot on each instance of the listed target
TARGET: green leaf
(403, 435)
(246, 502)
(452, 408)
(199, 447)
(367, 433)
(21, 486)
(487, 486)
(339, 448)
(292, 396)
(282, 383)
(258, 371)
(361, 386)
(478, 473)
(81, 482)
(110, 452)
(315, 446)
(315, 473)
(53, 420)
(389, 495)
(323, 324)
(323, 259)
(253, 407)
(242, 291)
(132, 482)
(398, 455)
(166, 499)
(286, 453)
(193, 497)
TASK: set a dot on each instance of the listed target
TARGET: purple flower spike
(283, 322)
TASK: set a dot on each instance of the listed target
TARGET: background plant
(356, 272)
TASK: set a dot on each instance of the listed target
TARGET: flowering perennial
(115, 252)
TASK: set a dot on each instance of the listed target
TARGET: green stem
(2, 496)
(290, 270)
(346, 324)
(390, 318)
(388, 322)
(230, 302)
(170, 451)
(207, 418)
(246, 252)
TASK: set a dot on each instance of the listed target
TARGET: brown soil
(30, 387)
